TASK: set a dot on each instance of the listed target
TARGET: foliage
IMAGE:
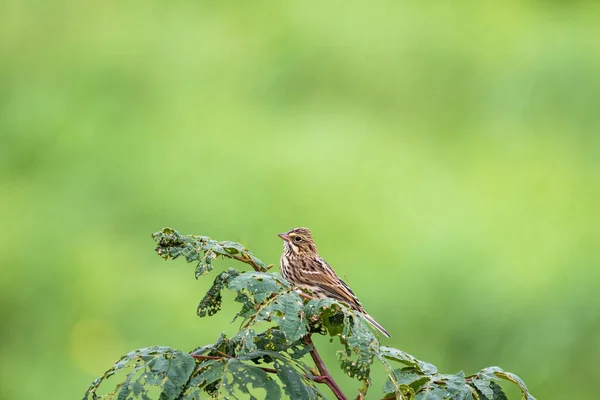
(266, 358)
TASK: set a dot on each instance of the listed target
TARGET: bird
(302, 266)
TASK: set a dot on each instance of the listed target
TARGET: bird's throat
(295, 248)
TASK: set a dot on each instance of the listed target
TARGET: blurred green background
(446, 157)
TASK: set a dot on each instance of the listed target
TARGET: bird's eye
(298, 239)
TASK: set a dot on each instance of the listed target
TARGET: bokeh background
(446, 157)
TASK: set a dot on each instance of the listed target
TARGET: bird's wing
(322, 276)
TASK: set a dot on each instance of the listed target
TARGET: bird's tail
(375, 324)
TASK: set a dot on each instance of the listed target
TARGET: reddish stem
(325, 377)
(318, 379)
(199, 357)
(248, 261)
(305, 296)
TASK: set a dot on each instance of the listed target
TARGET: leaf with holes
(361, 347)
(205, 379)
(166, 368)
(287, 310)
(295, 385)
(212, 301)
(258, 286)
(250, 380)
(500, 373)
(405, 358)
(171, 245)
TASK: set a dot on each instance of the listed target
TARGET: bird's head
(299, 241)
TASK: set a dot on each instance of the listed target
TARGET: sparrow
(302, 266)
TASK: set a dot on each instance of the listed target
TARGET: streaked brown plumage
(301, 265)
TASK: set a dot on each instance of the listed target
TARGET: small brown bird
(302, 266)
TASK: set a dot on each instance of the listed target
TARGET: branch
(199, 357)
(318, 379)
(325, 377)
(249, 261)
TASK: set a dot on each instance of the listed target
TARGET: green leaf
(267, 297)
(500, 373)
(212, 301)
(498, 392)
(361, 347)
(456, 385)
(246, 341)
(294, 385)
(405, 358)
(257, 285)
(434, 393)
(288, 311)
(325, 316)
(247, 378)
(171, 245)
(316, 307)
(483, 387)
(406, 379)
(258, 364)
(291, 371)
(164, 367)
(274, 340)
(205, 376)
(228, 247)
(205, 264)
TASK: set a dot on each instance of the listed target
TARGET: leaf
(325, 316)
(405, 358)
(212, 301)
(456, 385)
(205, 264)
(291, 371)
(246, 341)
(230, 248)
(406, 379)
(498, 392)
(316, 307)
(484, 388)
(259, 364)
(434, 393)
(267, 297)
(288, 311)
(246, 345)
(206, 375)
(171, 245)
(274, 340)
(500, 373)
(257, 285)
(241, 376)
(294, 384)
(361, 347)
(164, 367)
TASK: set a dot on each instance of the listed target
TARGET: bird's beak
(284, 236)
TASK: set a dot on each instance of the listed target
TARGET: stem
(248, 261)
(305, 296)
(318, 379)
(325, 377)
(199, 357)
(223, 354)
